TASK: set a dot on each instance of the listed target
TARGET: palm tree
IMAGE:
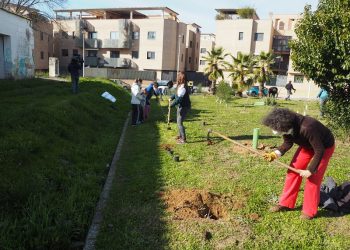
(263, 70)
(215, 65)
(241, 70)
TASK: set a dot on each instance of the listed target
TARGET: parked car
(254, 91)
(164, 86)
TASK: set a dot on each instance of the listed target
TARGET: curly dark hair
(280, 119)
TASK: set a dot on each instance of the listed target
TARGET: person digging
(316, 146)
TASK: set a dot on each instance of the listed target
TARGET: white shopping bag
(108, 96)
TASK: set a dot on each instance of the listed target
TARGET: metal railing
(117, 62)
(116, 43)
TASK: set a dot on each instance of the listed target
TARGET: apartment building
(252, 35)
(207, 43)
(43, 44)
(148, 38)
(248, 35)
(16, 46)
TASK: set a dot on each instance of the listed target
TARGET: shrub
(246, 12)
(224, 92)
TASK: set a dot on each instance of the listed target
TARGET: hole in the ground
(191, 204)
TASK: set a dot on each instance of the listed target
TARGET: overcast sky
(202, 12)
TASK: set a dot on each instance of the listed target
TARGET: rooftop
(120, 11)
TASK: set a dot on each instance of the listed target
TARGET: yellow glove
(270, 156)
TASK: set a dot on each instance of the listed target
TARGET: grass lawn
(153, 196)
(54, 149)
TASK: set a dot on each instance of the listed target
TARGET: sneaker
(279, 208)
(305, 217)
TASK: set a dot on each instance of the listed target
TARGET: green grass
(135, 217)
(54, 149)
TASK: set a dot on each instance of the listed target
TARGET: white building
(16, 46)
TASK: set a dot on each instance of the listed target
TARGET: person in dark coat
(316, 147)
(74, 69)
(182, 100)
(289, 87)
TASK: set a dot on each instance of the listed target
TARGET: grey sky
(202, 12)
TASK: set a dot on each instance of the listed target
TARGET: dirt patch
(195, 204)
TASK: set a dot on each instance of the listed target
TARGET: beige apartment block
(43, 44)
(149, 38)
(207, 44)
(284, 26)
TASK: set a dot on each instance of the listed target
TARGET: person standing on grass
(182, 99)
(289, 87)
(136, 103)
(323, 95)
(74, 69)
(151, 90)
(316, 147)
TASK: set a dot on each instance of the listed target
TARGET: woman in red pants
(316, 146)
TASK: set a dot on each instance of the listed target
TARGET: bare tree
(40, 8)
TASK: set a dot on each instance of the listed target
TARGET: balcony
(117, 63)
(281, 49)
(280, 66)
(91, 61)
(116, 43)
(89, 43)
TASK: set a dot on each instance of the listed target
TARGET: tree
(32, 8)
(215, 65)
(241, 70)
(263, 69)
(322, 51)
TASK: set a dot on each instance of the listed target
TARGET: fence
(120, 73)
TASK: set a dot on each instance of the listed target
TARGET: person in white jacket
(136, 97)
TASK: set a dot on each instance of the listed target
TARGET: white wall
(18, 45)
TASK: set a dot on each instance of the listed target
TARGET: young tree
(322, 52)
(241, 70)
(263, 70)
(215, 65)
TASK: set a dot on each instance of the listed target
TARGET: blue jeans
(181, 114)
(75, 82)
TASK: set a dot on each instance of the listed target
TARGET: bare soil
(196, 204)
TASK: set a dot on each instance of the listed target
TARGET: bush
(270, 101)
(337, 113)
(224, 92)
(246, 13)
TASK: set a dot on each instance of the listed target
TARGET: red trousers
(301, 159)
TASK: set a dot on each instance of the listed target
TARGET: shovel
(169, 108)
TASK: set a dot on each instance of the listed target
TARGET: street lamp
(178, 56)
(83, 32)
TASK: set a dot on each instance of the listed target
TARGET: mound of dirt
(194, 204)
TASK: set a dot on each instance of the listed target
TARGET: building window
(92, 35)
(190, 44)
(258, 36)
(183, 38)
(73, 35)
(151, 55)
(64, 34)
(281, 25)
(298, 79)
(92, 53)
(190, 60)
(135, 35)
(135, 55)
(151, 35)
(182, 57)
(203, 50)
(240, 36)
(202, 62)
(64, 52)
(75, 52)
(114, 35)
(41, 35)
(42, 55)
(115, 54)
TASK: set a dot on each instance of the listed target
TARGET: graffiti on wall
(8, 62)
(24, 64)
